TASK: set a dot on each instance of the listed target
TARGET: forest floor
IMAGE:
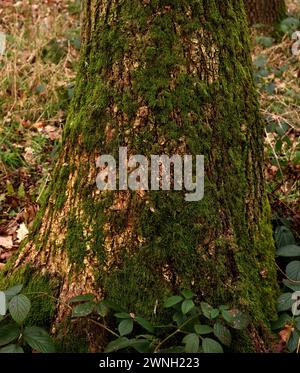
(37, 73)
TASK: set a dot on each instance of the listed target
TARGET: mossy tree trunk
(161, 77)
(265, 11)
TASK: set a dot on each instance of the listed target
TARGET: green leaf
(289, 25)
(284, 237)
(3, 304)
(240, 319)
(38, 339)
(145, 324)
(19, 308)
(203, 329)
(82, 298)
(206, 309)
(118, 344)
(11, 292)
(293, 270)
(214, 313)
(84, 309)
(288, 251)
(122, 315)
(187, 306)
(11, 349)
(211, 346)
(222, 333)
(284, 302)
(293, 341)
(265, 41)
(172, 301)
(291, 285)
(283, 319)
(297, 323)
(192, 343)
(227, 316)
(9, 333)
(188, 294)
(179, 318)
(142, 346)
(125, 327)
(101, 309)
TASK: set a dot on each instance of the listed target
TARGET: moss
(41, 290)
(75, 243)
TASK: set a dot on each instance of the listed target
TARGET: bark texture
(160, 77)
(265, 11)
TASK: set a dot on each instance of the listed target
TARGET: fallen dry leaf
(22, 232)
(6, 242)
(286, 333)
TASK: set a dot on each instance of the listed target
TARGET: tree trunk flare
(265, 12)
(160, 77)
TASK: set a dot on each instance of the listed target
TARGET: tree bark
(265, 11)
(160, 78)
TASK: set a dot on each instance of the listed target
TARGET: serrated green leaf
(284, 237)
(214, 313)
(145, 324)
(125, 327)
(293, 270)
(179, 318)
(240, 319)
(38, 339)
(293, 341)
(11, 349)
(206, 309)
(284, 302)
(211, 346)
(187, 306)
(101, 309)
(227, 316)
(289, 251)
(222, 333)
(291, 285)
(192, 343)
(3, 304)
(82, 298)
(118, 344)
(11, 292)
(9, 333)
(283, 319)
(19, 308)
(172, 301)
(203, 329)
(142, 346)
(84, 309)
(297, 323)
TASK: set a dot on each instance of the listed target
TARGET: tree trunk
(265, 11)
(160, 78)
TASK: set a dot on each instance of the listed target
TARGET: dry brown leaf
(286, 333)
(22, 232)
(6, 242)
